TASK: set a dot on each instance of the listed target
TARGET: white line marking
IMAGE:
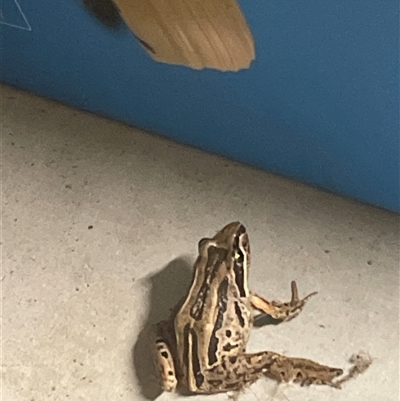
(26, 28)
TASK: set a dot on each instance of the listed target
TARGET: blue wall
(319, 104)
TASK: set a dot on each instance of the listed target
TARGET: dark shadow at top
(105, 11)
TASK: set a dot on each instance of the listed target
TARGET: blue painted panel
(319, 104)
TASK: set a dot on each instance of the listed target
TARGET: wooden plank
(195, 33)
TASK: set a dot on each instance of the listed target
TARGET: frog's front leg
(283, 311)
(163, 359)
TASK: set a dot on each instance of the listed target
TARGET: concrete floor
(100, 226)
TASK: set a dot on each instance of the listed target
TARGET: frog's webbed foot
(361, 362)
(283, 311)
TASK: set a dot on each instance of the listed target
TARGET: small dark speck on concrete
(369, 262)
(326, 250)
(76, 289)
(12, 143)
(90, 227)
(322, 326)
(53, 388)
(68, 186)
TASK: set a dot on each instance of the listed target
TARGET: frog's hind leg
(300, 370)
(238, 372)
(163, 360)
(283, 311)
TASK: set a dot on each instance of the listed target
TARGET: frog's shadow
(166, 289)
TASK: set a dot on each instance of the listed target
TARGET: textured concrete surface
(100, 226)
